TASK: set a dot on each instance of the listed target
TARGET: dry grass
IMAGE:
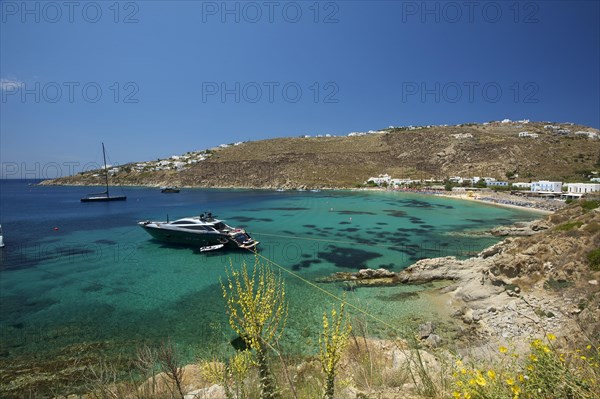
(348, 161)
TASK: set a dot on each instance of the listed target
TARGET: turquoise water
(100, 278)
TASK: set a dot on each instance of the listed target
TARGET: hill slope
(439, 151)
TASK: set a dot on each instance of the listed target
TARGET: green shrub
(592, 227)
(569, 226)
(594, 259)
(589, 205)
(556, 285)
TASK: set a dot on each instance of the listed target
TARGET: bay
(75, 273)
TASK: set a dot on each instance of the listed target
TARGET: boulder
(434, 341)
(426, 329)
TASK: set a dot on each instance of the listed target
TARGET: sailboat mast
(105, 169)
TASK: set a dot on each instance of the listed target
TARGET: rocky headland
(540, 279)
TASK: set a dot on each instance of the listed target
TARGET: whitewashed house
(462, 136)
(401, 182)
(521, 185)
(546, 186)
(529, 134)
(381, 179)
(497, 184)
(590, 135)
(583, 188)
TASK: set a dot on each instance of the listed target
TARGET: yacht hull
(104, 199)
(186, 238)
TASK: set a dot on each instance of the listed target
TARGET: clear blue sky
(181, 76)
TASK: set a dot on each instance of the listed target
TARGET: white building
(546, 186)
(400, 182)
(462, 136)
(497, 183)
(528, 134)
(521, 185)
(381, 179)
(590, 135)
(583, 188)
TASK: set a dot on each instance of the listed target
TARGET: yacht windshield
(220, 226)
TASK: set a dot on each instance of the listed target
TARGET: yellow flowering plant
(332, 342)
(257, 309)
(545, 373)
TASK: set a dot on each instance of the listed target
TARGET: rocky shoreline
(488, 295)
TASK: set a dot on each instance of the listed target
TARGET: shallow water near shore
(99, 279)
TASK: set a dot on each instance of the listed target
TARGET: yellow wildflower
(533, 358)
(551, 337)
(491, 374)
(480, 380)
(456, 395)
(503, 349)
(510, 381)
(516, 390)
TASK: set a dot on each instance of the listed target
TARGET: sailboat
(105, 196)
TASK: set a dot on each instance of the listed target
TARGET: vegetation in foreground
(348, 365)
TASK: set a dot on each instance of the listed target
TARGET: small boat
(1, 238)
(170, 189)
(105, 195)
(204, 231)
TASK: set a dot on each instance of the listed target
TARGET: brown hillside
(492, 150)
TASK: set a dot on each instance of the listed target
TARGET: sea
(81, 278)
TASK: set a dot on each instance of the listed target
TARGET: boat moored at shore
(169, 190)
(205, 231)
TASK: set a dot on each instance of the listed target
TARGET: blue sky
(153, 79)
